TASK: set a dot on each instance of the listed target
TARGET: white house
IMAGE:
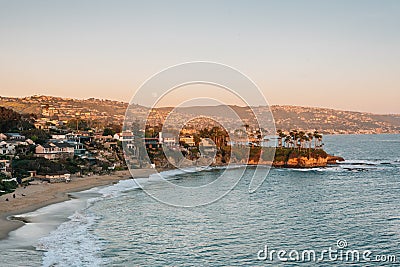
(4, 164)
(55, 150)
(169, 140)
(124, 136)
(15, 137)
(7, 148)
(188, 139)
(59, 137)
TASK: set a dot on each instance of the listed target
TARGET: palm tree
(305, 141)
(301, 136)
(291, 134)
(294, 134)
(284, 138)
(318, 139)
(288, 140)
(310, 137)
(259, 136)
(315, 134)
(197, 139)
(281, 135)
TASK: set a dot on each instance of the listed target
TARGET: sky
(341, 54)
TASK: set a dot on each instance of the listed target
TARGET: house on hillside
(72, 140)
(79, 149)
(55, 150)
(187, 139)
(169, 140)
(4, 165)
(54, 177)
(15, 146)
(152, 142)
(103, 138)
(125, 136)
(15, 137)
(7, 148)
(207, 146)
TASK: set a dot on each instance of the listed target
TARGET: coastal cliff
(305, 162)
(284, 158)
(277, 157)
(299, 158)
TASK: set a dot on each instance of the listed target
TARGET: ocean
(327, 212)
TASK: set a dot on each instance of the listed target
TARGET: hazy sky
(339, 54)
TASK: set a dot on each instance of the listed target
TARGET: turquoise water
(356, 201)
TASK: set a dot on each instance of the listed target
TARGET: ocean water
(350, 206)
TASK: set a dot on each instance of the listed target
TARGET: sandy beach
(41, 194)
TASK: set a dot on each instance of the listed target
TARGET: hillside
(14, 121)
(66, 108)
(286, 117)
(328, 121)
(334, 121)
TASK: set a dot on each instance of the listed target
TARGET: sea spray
(72, 243)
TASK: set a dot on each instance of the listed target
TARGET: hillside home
(55, 150)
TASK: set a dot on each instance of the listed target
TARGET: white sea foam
(359, 162)
(72, 244)
(118, 188)
(368, 162)
(359, 165)
(316, 169)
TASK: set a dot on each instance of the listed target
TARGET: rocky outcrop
(334, 159)
(304, 162)
(292, 158)
(307, 162)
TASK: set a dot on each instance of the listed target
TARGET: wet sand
(40, 194)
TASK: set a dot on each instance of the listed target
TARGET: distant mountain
(65, 109)
(334, 121)
(33, 104)
(286, 117)
(310, 118)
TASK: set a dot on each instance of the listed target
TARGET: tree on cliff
(281, 136)
(317, 139)
(299, 139)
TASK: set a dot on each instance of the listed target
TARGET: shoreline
(39, 195)
(42, 194)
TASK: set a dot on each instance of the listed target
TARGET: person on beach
(13, 195)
